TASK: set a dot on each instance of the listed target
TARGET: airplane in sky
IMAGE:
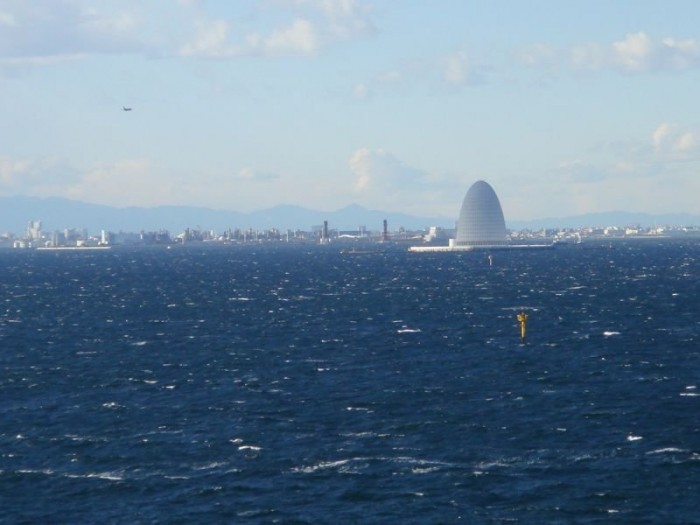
(125, 108)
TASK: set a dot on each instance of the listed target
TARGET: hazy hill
(57, 214)
(601, 220)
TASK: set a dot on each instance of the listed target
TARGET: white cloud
(379, 170)
(314, 25)
(686, 143)
(638, 53)
(391, 76)
(383, 181)
(660, 134)
(12, 171)
(40, 61)
(625, 168)
(361, 91)
(580, 171)
(213, 41)
(127, 182)
(37, 34)
(7, 19)
(537, 55)
(298, 39)
(361, 166)
(121, 183)
(389, 79)
(138, 182)
(116, 24)
(135, 182)
(588, 57)
(667, 151)
(341, 18)
(681, 54)
(671, 143)
(252, 175)
(41, 177)
(457, 69)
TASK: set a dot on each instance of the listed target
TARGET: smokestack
(324, 233)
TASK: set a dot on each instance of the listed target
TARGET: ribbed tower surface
(481, 221)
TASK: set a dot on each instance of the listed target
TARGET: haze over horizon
(563, 107)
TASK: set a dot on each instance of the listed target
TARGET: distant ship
(356, 251)
(73, 248)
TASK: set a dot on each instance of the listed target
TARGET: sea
(312, 384)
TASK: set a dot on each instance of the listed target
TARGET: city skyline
(565, 108)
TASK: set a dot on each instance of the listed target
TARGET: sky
(564, 108)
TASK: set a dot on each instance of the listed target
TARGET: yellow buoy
(522, 319)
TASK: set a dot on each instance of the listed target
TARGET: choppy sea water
(306, 385)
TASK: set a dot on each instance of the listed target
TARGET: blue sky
(563, 107)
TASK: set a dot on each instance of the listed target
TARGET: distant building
(481, 225)
(33, 232)
(481, 221)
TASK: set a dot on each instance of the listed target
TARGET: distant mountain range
(58, 213)
(615, 218)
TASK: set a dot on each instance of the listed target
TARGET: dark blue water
(279, 385)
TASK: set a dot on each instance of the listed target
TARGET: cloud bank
(316, 25)
(634, 54)
(44, 33)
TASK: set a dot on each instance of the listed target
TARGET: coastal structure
(481, 224)
(481, 221)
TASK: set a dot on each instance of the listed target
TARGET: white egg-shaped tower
(481, 221)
